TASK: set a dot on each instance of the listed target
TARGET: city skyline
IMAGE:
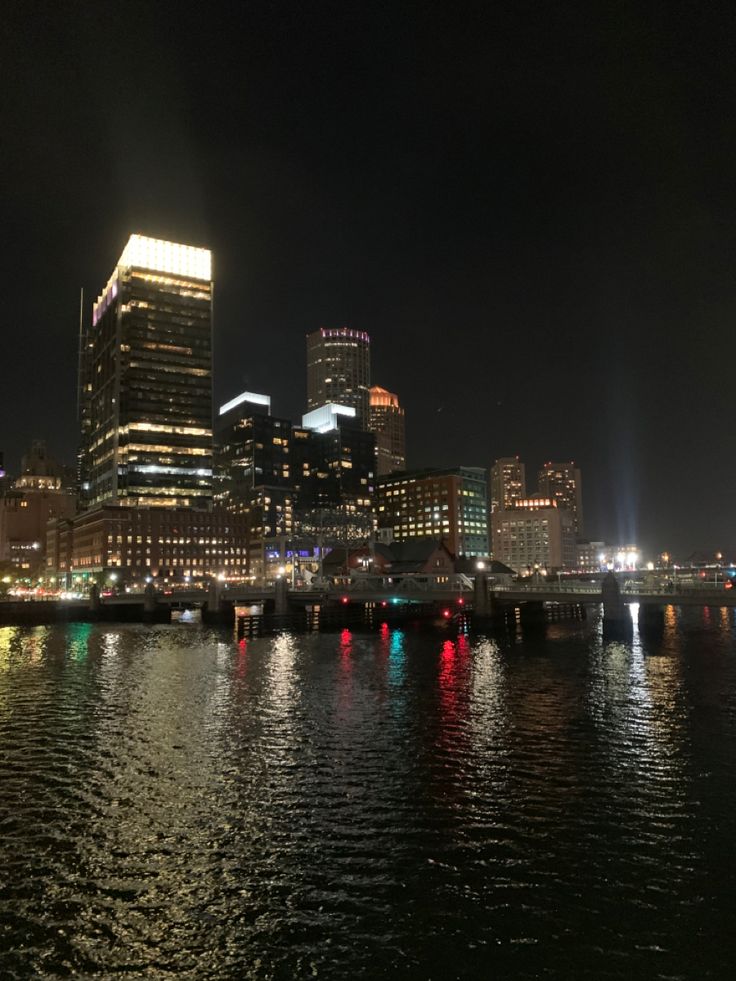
(538, 262)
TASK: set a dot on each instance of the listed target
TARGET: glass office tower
(339, 370)
(146, 380)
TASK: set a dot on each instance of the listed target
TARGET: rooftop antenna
(79, 355)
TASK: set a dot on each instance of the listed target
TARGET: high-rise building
(251, 453)
(534, 535)
(388, 423)
(253, 472)
(508, 482)
(334, 467)
(561, 482)
(146, 380)
(339, 369)
(448, 504)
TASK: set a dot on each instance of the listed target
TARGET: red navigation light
(345, 599)
(461, 602)
(728, 584)
(446, 614)
(384, 603)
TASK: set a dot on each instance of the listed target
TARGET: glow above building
(325, 418)
(382, 398)
(160, 256)
(251, 397)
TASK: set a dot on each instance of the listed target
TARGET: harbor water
(176, 802)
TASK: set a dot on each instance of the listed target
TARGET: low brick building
(139, 542)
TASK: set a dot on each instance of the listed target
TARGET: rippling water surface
(175, 803)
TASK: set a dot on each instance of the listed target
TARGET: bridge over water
(486, 599)
(479, 593)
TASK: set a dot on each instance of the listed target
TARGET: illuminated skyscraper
(146, 380)
(561, 482)
(388, 423)
(508, 482)
(339, 369)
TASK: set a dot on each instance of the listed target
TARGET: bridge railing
(548, 588)
(409, 584)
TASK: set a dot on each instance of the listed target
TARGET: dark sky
(529, 206)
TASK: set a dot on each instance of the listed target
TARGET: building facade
(507, 482)
(43, 491)
(135, 543)
(252, 457)
(534, 535)
(339, 370)
(145, 392)
(591, 556)
(387, 422)
(451, 505)
(334, 474)
(562, 483)
(253, 474)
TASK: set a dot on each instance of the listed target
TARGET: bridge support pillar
(616, 616)
(487, 611)
(94, 601)
(213, 596)
(214, 610)
(149, 599)
(482, 599)
(281, 597)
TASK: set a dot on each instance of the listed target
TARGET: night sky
(529, 206)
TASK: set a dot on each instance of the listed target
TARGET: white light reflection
(637, 704)
(282, 688)
(488, 710)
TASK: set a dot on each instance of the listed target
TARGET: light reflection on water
(400, 804)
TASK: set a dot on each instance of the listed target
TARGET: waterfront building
(621, 558)
(591, 556)
(387, 421)
(339, 370)
(449, 504)
(134, 543)
(145, 392)
(534, 535)
(507, 482)
(418, 556)
(562, 483)
(43, 491)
